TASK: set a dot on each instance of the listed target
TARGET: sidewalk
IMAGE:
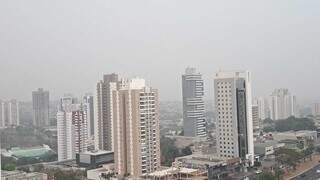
(303, 167)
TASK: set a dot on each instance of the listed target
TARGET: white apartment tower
(88, 107)
(263, 108)
(233, 103)
(316, 109)
(282, 104)
(2, 120)
(194, 121)
(71, 129)
(9, 113)
(136, 128)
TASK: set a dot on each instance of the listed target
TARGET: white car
(318, 170)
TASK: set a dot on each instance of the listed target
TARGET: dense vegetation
(26, 137)
(169, 151)
(289, 124)
(265, 176)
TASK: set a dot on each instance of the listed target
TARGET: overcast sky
(66, 46)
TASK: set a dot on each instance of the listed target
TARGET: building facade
(256, 121)
(9, 113)
(136, 128)
(20, 175)
(40, 102)
(88, 107)
(316, 109)
(263, 107)
(233, 103)
(103, 131)
(71, 129)
(194, 121)
(282, 104)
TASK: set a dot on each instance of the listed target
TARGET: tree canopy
(290, 124)
(169, 151)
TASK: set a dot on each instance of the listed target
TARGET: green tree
(168, 151)
(186, 151)
(294, 124)
(265, 176)
(9, 167)
(288, 157)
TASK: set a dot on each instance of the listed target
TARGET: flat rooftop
(29, 152)
(173, 170)
(97, 152)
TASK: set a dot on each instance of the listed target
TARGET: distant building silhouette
(40, 102)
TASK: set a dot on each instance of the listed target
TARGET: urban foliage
(265, 176)
(289, 124)
(26, 137)
(169, 151)
(9, 167)
(288, 157)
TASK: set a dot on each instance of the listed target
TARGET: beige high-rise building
(103, 130)
(135, 110)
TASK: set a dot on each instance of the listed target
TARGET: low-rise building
(216, 167)
(295, 135)
(94, 159)
(266, 148)
(299, 140)
(20, 175)
(104, 172)
(174, 173)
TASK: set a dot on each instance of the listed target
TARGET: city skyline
(159, 89)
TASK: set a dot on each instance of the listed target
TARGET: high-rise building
(316, 109)
(233, 103)
(40, 101)
(9, 112)
(282, 104)
(2, 120)
(263, 108)
(71, 129)
(194, 121)
(136, 128)
(88, 107)
(103, 130)
(256, 121)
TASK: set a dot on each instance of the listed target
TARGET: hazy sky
(66, 45)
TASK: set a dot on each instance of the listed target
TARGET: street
(309, 175)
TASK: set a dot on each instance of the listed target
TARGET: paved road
(309, 175)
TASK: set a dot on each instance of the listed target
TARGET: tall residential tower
(9, 113)
(88, 107)
(282, 104)
(136, 128)
(71, 129)
(103, 130)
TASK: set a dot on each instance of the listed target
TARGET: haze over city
(66, 46)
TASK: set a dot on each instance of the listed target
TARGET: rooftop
(97, 152)
(30, 152)
(173, 170)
